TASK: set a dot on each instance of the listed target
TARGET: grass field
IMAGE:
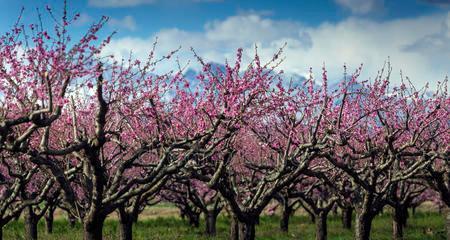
(423, 226)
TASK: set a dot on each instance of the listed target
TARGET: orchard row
(93, 135)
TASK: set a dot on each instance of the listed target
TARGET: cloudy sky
(414, 34)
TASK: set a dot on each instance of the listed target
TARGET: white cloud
(352, 41)
(361, 6)
(243, 30)
(127, 23)
(437, 43)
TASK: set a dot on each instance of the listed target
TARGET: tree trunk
(321, 226)
(93, 228)
(126, 230)
(286, 214)
(399, 221)
(405, 217)
(30, 223)
(72, 219)
(363, 226)
(1, 232)
(234, 228)
(246, 231)
(49, 220)
(347, 217)
(194, 219)
(335, 209)
(126, 225)
(211, 217)
(135, 218)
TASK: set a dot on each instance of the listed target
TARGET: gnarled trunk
(234, 228)
(321, 225)
(399, 222)
(246, 231)
(193, 216)
(285, 215)
(125, 225)
(30, 223)
(194, 219)
(135, 218)
(242, 230)
(347, 217)
(49, 219)
(211, 218)
(93, 227)
(363, 225)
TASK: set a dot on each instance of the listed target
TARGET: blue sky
(415, 34)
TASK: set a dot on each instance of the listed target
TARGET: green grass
(423, 226)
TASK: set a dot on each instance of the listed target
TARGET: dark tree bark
(320, 210)
(286, 211)
(211, 218)
(191, 213)
(321, 226)
(397, 227)
(400, 217)
(126, 230)
(363, 225)
(242, 229)
(285, 216)
(1, 232)
(93, 227)
(49, 219)
(135, 218)
(194, 219)
(49, 224)
(347, 217)
(247, 231)
(335, 210)
(126, 225)
(234, 228)
(31, 221)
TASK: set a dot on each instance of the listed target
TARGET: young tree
(402, 196)
(208, 201)
(177, 192)
(129, 212)
(289, 205)
(318, 197)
